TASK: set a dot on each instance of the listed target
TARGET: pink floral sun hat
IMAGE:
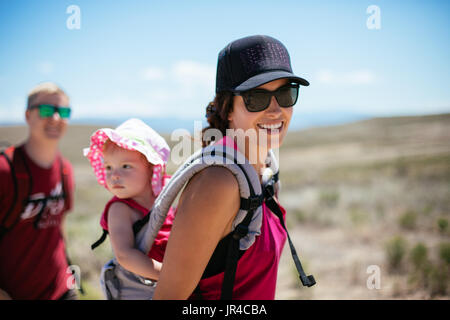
(135, 135)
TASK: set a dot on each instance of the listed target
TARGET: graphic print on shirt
(53, 207)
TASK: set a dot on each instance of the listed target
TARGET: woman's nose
(274, 108)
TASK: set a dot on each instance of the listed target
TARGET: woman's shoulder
(217, 179)
(212, 194)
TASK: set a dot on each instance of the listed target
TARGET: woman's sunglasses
(48, 110)
(259, 99)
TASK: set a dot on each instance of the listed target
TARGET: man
(33, 263)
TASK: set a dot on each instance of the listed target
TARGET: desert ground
(368, 205)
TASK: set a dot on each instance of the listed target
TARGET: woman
(255, 92)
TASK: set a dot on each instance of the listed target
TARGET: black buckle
(251, 203)
(240, 231)
(269, 190)
(255, 202)
(308, 281)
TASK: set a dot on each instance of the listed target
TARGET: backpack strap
(100, 240)
(22, 184)
(250, 204)
(137, 226)
(273, 205)
(65, 183)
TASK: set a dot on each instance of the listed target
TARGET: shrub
(395, 251)
(408, 220)
(444, 252)
(442, 225)
(419, 256)
(439, 278)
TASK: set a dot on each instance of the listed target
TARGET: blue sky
(158, 59)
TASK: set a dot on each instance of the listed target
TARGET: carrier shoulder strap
(22, 185)
(240, 231)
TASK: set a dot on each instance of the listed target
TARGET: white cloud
(356, 77)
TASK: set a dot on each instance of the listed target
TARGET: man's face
(51, 128)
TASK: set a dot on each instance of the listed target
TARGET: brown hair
(217, 113)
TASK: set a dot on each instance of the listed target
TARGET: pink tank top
(256, 273)
(159, 246)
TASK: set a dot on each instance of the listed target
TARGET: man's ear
(28, 115)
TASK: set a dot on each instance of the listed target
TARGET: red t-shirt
(159, 245)
(33, 263)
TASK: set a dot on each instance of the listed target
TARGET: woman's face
(270, 125)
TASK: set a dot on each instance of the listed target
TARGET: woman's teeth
(275, 126)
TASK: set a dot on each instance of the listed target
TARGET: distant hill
(302, 120)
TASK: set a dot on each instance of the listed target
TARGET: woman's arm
(120, 226)
(205, 213)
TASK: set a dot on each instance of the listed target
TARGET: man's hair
(46, 88)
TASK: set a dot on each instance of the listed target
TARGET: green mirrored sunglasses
(48, 110)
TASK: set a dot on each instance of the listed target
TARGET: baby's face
(128, 175)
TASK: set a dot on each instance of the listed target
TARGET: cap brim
(263, 78)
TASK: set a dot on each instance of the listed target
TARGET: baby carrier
(246, 225)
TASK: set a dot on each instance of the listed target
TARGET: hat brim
(263, 78)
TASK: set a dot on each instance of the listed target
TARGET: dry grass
(348, 190)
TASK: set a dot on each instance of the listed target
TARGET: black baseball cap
(252, 61)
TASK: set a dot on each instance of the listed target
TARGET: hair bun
(210, 110)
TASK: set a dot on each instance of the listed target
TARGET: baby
(130, 162)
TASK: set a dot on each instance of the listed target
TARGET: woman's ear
(230, 114)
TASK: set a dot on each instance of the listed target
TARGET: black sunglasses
(48, 110)
(257, 100)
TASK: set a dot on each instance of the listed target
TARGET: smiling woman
(255, 92)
